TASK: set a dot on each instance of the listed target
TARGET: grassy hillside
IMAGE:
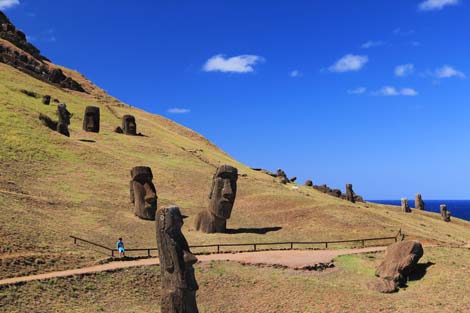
(52, 186)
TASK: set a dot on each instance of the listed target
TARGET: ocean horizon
(457, 208)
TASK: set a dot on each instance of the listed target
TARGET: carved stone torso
(143, 193)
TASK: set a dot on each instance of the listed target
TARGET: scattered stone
(129, 127)
(221, 200)
(91, 120)
(46, 99)
(445, 214)
(419, 203)
(399, 262)
(405, 207)
(143, 193)
(308, 183)
(178, 281)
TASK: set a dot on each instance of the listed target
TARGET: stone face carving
(419, 203)
(64, 119)
(350, 196)
(221, 200)
(445, 214)
(179, 283)
(129, 127)
(143, 193)
(405, 207)
(308, 183)
(400, 260)
(91, 120)
(46, 100)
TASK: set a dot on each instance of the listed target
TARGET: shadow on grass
(86, 140)
(420, 271)
(259, 231)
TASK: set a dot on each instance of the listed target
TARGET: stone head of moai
(64, 119)
(143, 193)
(178, 281)
(350, 196)
(419, 203)
(91, 119)
(223, 192)
(405, 207)
(129, 127)
(309, 183)
(445, 213)
(46, 99)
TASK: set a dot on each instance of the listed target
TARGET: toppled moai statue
(405, 207)
(178, 281)
(221, 200)
(46, 99)
(419, 203)
(399, 262)
(64, 119)
(129, 127)
(350, 193)
(143, 193)
(308, 183)
(91, 120)
(444, 213)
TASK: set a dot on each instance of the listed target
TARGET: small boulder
(308, 183)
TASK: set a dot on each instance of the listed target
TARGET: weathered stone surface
(91, 119)
(178, 281)
(445, 214)
(419, 203)
(143, 193)
(46, 99)
(405, 207)
(129, 126)
(308, 183)
(221, 200)
(350, 196)
(400, 260)
(64, 119)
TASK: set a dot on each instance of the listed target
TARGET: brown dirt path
(288, 258)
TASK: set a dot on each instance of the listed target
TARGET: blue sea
(457, 208)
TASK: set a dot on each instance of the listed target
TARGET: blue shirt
(120, 244)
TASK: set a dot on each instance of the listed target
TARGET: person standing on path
(120, 246)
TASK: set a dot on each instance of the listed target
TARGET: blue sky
(375, 93)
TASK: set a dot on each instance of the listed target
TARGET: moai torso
(129, 126)
(91, 120)
(178, 281)
(64, 119)
(221, 200)
(419, 203)
(445, 213)
(405, 207)
(350, 193)
(143, 193)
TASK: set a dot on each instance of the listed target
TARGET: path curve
(287, 258)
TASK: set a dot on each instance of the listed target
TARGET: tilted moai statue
(143, 193)
(178, 281)
(64, 119)
(91, 120)
(405, 207)
(221, 200)
(350, 196)
(46, 100)
(444, 213)
(419, 203)
(129, 127)
(309, 183)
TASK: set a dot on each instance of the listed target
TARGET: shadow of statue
(420, 271)
(259, 231)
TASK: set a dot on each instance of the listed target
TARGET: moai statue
(143, 193)
(46, 100)
(419, 203)
(221, 200)
(405, 207)
(293, 179)
(350, 196)
(129, 127)
(308, 183)
(178, 281)
(444, 213)
(64, 119)
(91, 120)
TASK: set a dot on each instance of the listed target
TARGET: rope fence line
(289, 244)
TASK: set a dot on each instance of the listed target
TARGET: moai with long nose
(221, 200)
(143, 193)
(419, 203)
(91, 120)
(178, 282)
(405, 207)
(350, 196)
(129, 126)
(445, 213)
(64, 119)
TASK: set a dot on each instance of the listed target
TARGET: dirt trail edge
(287, 258)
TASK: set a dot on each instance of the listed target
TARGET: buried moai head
(46, 99)
(309, 183)
(143, 193)
(129, 127)
(419, 203)
(405, 207)
(91, 119)
(223, 192)
(178, 282)
(445, 214)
